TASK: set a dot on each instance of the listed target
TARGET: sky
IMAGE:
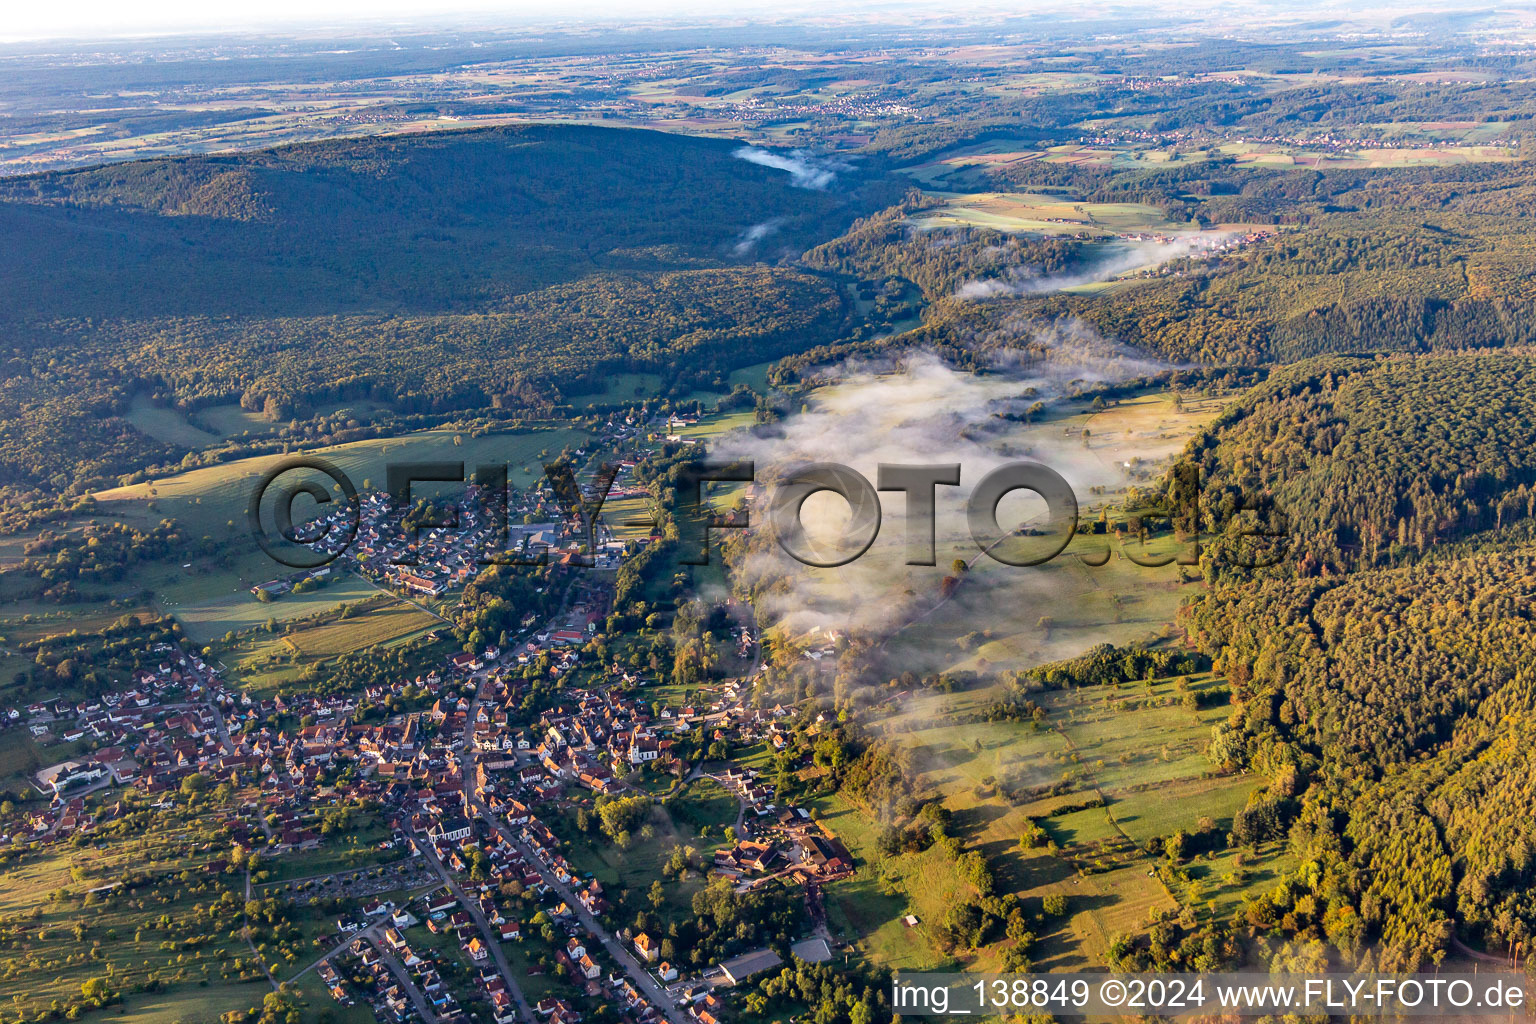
(105, 18)
(100, 19)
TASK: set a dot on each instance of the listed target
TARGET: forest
(502, 270)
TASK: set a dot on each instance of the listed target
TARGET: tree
(96, 991)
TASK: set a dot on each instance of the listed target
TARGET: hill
(504, 268)
(422, 222)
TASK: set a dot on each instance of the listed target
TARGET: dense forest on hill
(938, 262)
(418, 223)
(1415, 260)
(500, 269)
(1375, 281)
(1395, 709)
(1375, 461)
(522, 359)
(1381, 675)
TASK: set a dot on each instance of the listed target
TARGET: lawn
(212, 601)
(166, 424)
(713, 426)
(231, 420)
(199, 1005)
(1100, 908)
(635, 868)
(46, 888)
(704, 803)
(629, 518)
(867, 909)
(621, 388)
(1137, 745)
(20, 757)
(754, 377)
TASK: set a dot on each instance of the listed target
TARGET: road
(1487, 958)
(370, 933)
(403, 976)
(632, 967)
(491, 939)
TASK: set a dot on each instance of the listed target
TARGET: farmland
(1041, 213)
(975, 168)
(1137, 748)
(1004, 617)
(273, 652)
(388, 624)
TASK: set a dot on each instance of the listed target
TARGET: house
(421, 585)
(477, 950)
(666, 972)
(647, 947)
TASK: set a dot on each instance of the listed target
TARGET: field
(754, 377)
(1376, 157)
(265, 661)
(210, 601)
(212, 500)
(1138, 748)
(629, 518)
(704, 803)
(1106, 774)
(210, 596)
(202, 1005)
(709, 428)
(168, 425)
(621, 387)
(867, 908)
(118, 931)
(634, 869)
(971, 168)
(1039, 212)
(392, 623)
(20, 757)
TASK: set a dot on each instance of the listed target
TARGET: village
(463, 786)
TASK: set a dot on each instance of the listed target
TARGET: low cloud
(1119, 257)
(919, 409)
(754, 234)
(806, 169)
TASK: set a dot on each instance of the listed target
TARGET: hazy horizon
(97, 20)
